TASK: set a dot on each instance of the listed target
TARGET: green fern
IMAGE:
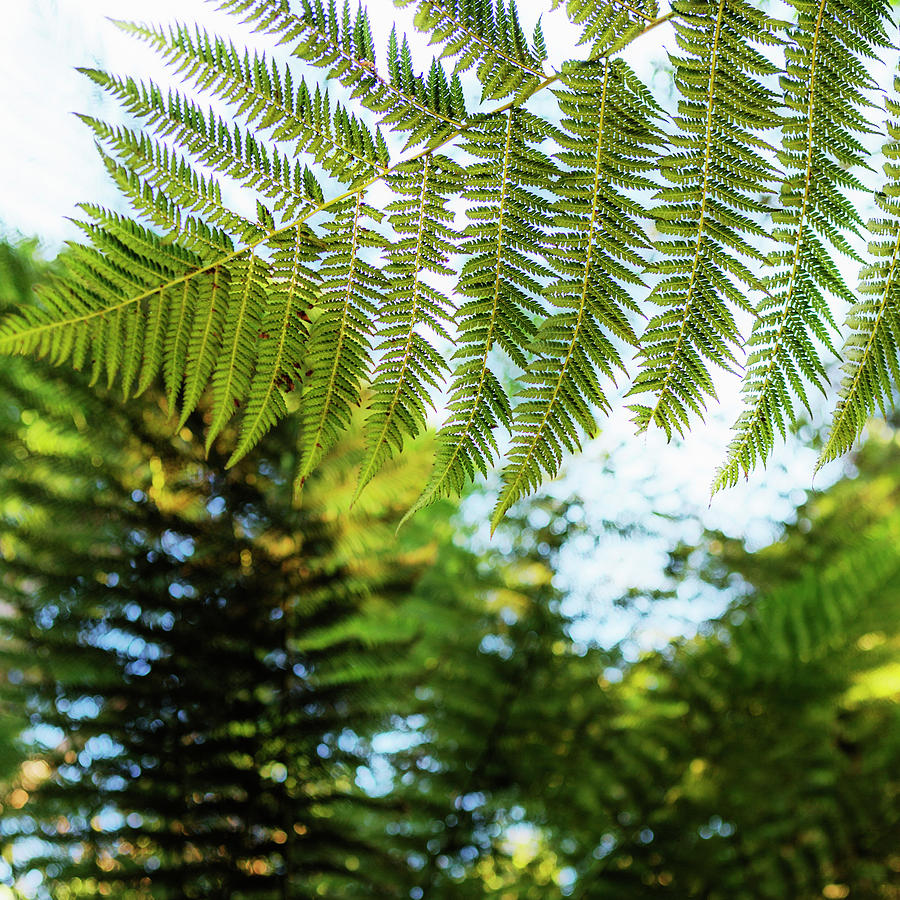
(871, 369)
(338, 351)
(500, 283)
(409, 365)
(715, 172)
(609, 140)
(485, 35)
(323, 290)
(429, 108)
(823, 89)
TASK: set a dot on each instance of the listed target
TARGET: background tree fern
(376, 179)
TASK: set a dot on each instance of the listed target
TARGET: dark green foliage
(191, 647)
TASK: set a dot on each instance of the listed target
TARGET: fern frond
(205, 337)
(609, 139)
(429, 108)
(282, 337)
(249, 278)
(608, 25)
(485, 34)
(156, 207)
(871, 368)
(106, 305)
(715, 176)
(226, 148)
(266, 98)
(823, 91)
(165, 170)
(338, 354)
(410, 367)
(501, 282)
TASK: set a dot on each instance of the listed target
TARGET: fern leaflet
(871, 369)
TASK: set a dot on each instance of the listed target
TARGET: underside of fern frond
(871, 360)
(823, 90)
(520, 241)
(709, 213)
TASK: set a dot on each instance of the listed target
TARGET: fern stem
(689, 301)
(511, 489)
(8, 343)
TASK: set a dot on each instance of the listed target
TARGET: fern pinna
(423, 227)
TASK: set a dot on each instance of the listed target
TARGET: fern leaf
(282, 339)
(871, 369)
(502, 285)
(266, 98)
(205, 338)
(824, 98)
(192, 232)
(410, 367)
(609, 139)
(248, 279)
(485, 34)
(338, 351)
(167, 171)
(429, 108)
(609, 25)
(209, 138)
(715, 177)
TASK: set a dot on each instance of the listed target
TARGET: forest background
(622, 694)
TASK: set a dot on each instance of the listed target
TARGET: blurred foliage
(209, 691)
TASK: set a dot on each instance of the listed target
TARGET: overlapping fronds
(824, 89)
(551, 238)
(609, 24)
(265, 97)
(871, 369)
(486, 35)
(428, 107)
(501, 283)
(609, 142)
(338, 352)
(409, 365)
(709, 211)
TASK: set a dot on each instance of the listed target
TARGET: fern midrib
(225, 413)
(206, 337)
(373, 73)
(633, 9)
(282, 338)
(487, 44)
(665, 389)
(366, 475)
(828, 452)
(10, 341)
(489, 340)
(342, 333)
(512, 487)
(182, 315)
(801, 220)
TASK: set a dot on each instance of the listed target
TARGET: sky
(48, 164)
